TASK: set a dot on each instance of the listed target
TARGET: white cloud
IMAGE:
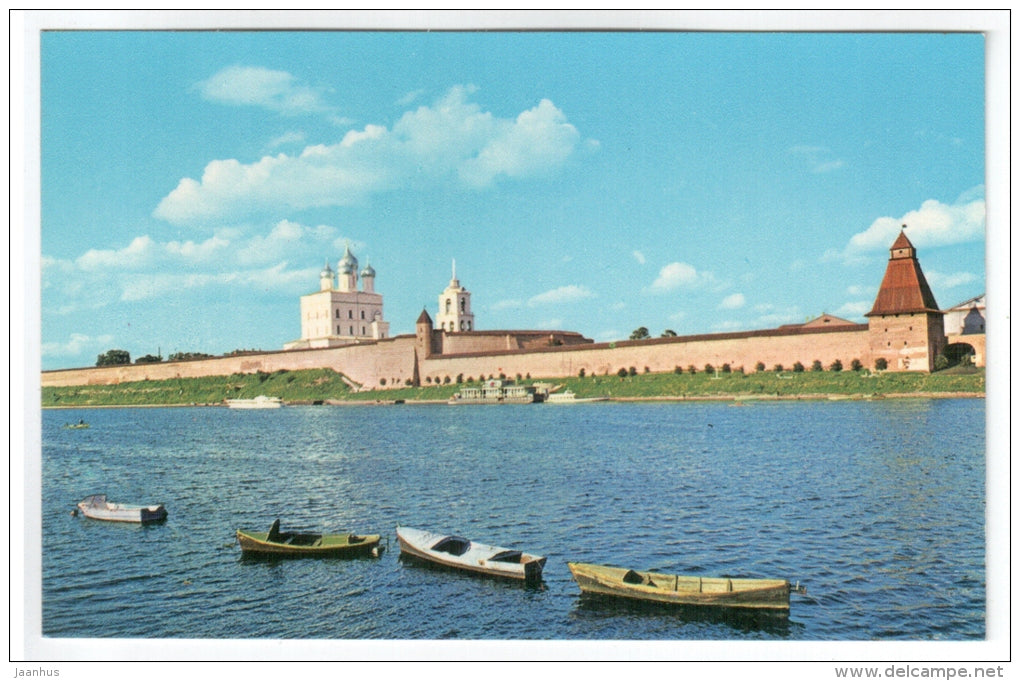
(506, 305)
(678, 316)
(147, 269)
(267, 88)
(77, 344)
(274, 278)
(640, 257)
(410, 97)
(854, 309)
(144, 253)
(732, 302)
(770, 315)
(818, 159)
(563, 294)
(290, 239)
(677, 275)
(944, 281)
(285, 139)
(453, 139)
(933, 224)
(137, 254)
(858, 290)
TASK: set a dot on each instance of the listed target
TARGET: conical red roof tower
(904, 289)
(905, 324)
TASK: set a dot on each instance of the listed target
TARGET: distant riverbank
(323, 386)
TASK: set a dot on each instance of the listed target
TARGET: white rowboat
(459, 553)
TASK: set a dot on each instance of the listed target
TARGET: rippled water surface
(878, 507)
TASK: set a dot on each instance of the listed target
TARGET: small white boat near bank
(260, 402)
(97, 507)
(568, 397)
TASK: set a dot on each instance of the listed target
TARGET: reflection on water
(775, 623)
(877, 507)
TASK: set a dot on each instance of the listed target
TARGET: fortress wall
(976, 341)
(392, 359)
(659, 355)
(495, 341)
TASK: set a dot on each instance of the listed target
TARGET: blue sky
(194, 183)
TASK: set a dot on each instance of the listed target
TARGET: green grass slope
(325, 385)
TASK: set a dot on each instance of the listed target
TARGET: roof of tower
(904, 289)
(901, 242)
(424, 318)
(368, 271)
(348, 263)
(326, 271)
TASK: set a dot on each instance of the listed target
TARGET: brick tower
(905, 324)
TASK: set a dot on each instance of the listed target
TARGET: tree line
(115, 357)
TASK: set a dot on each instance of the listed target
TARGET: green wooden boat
(297, 544)
(760, 594)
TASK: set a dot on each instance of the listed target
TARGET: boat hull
(260, 402)
(308, 545)
(478, 560)
(98, 508)
(754, 594)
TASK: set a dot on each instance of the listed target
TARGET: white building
(339, 313)
(966, 318)
(455, 307)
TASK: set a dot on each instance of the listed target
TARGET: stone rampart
(390, 362)
(363, 363)
(739, 350)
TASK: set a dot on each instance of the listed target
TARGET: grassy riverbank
(324, 385)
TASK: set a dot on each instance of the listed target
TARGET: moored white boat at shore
(568, 397)
(260, 402)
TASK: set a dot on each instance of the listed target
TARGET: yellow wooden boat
(759, 594)
(296, 544)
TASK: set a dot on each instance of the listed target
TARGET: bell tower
(455, 307)
(905, 325)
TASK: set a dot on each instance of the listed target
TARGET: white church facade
(455, 307)
(340, 313)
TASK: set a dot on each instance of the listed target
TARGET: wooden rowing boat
(279, 543)
(762, 594)
(459, 553)
(97, 507)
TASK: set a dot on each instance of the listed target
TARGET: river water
(877, 507)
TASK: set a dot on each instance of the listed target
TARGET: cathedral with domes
(341, 312)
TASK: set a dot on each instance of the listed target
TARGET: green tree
(941, 362)
(816, 365)
(856, 365)
(881, 364)
(798, 367)
(639, 333)
(149, 359)
(113, 358)
(836, 366)
(668, 333)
